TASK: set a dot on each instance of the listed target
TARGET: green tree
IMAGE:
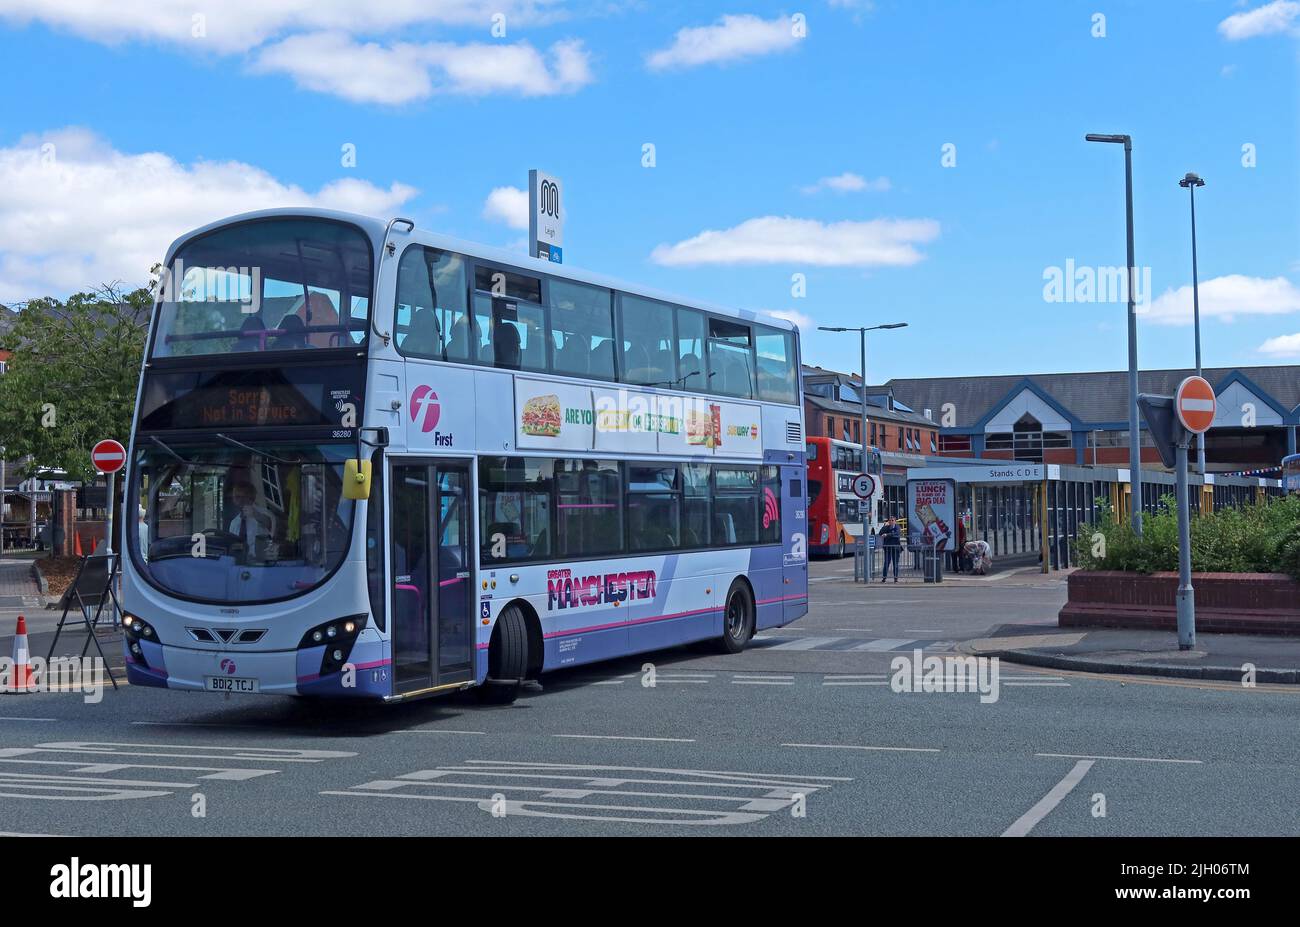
(71, 379)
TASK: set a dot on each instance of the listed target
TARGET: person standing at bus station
(891, 546)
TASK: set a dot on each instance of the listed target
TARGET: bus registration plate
(231, 683)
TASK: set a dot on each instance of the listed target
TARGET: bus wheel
(841, 554)
(737, 619)
(507, 658)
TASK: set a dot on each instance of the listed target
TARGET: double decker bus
(1291, 474)
(371, 461)
(834, 518)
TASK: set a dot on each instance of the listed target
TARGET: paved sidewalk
(1275, 659)
(18, 587)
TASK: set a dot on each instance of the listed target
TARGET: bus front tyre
(507, 659)
(737, 619)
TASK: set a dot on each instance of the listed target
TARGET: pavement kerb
(1083, 665)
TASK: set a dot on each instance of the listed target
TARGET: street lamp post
(1191, 182)
(862, 394)
(3, 475)
(1134, 435)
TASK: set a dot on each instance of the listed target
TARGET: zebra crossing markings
(88, 772)
(851, 644)
(658, 795)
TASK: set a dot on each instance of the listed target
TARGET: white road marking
(856, 676)
(863, 747)
(762, 682)
(420, 730)
(609, 682)
(1025, 823)
(275, 754)
(856, 682)
(880, 646)
(922, 630)
(581, 792)
(29, 719)
(806, 643)
(761, 676)
(1130, 759)
(672, 740)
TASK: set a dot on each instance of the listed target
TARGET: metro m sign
(1194, 404)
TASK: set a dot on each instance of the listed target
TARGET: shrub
(1258, 538)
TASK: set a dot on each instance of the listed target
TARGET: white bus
(372, 461)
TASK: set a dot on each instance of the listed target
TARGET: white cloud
(805, 322)
(732, 37)
(786, 240)
(848, 182)
(1271, 18)
(508, 205)
(1225, 298)
(331, 62)
(82, 213)
(239, 25)
(1282, 346)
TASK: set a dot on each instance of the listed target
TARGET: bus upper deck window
(582, 330)
(268, 285)
(646, 354)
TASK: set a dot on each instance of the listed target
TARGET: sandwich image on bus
(370, 461)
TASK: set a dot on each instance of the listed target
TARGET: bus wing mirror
(356, 479)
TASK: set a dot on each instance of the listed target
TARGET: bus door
(794, 540)
(433, 582)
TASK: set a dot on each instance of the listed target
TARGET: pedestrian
(959, 555)
(891, 546)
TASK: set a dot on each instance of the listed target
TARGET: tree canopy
(71, 379)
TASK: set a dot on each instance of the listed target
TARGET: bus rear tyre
(737, 619)
(841, 553)
(507, 659)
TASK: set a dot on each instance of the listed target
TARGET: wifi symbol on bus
(770, 510)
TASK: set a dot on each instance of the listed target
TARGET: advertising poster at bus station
(931, 514)
(553, 415)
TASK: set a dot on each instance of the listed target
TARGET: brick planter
(1226, 603)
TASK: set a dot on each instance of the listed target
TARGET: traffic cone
(76, 544)
(21, 682)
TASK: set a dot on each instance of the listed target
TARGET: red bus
(834, 517)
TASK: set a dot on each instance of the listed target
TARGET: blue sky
(155, 130)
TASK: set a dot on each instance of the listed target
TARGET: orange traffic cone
(21, 682)
(94, 546)
(76, 544)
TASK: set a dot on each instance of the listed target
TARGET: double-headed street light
(1191, 182)
(1134, 435)
(862, 332)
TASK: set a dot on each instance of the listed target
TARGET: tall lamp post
(1191, 182)
(862, 332)
(1134, 435)
(2, 500)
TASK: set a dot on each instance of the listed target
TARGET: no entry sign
(108, 456)
(1194, 403)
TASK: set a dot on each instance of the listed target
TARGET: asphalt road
(802, 734)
